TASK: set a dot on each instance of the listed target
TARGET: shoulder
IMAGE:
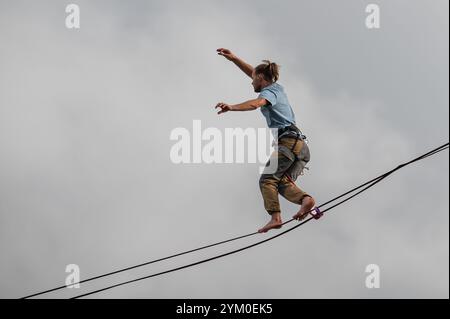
(270, 94)
(274, 87)
(278, 87)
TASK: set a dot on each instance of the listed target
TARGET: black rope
(372, 183)
(375, 181)
(140, 265)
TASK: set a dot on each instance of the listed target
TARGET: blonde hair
(270, 70)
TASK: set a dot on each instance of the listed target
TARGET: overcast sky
(85, 121)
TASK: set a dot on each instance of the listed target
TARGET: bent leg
(268, 185)
(291, 192)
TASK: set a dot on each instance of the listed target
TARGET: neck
(265, 83)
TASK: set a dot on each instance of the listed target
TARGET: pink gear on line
(317, 213)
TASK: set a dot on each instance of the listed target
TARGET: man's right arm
(244, 66)
(241, 64)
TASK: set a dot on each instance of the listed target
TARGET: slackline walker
(292, 151)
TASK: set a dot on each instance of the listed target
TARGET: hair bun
(269, 70)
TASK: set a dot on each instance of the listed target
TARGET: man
(293, 152)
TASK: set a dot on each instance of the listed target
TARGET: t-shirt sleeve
(269, 95)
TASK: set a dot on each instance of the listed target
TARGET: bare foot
(275, 222)
(307, 204)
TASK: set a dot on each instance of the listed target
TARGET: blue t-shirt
(279, 112)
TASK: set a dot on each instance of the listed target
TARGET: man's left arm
(249, 105)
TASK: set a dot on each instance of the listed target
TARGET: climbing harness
(298, 161)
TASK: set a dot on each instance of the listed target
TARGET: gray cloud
(85, 118)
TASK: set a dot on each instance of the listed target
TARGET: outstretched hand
(223, 107)
(226, 53)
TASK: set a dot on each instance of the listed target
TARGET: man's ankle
(307, 197)
(276, 216)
